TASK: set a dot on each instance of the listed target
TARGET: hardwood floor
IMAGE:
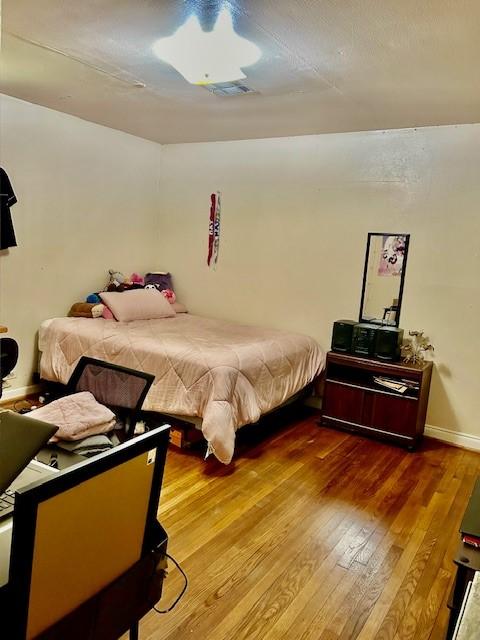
(312, 534)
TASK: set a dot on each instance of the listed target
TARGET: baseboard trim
(20, 392)
(463, 440)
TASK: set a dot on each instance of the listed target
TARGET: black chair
(8, 358)
(121, 389)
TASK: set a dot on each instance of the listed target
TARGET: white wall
(296, 212)
(88, 200)
(295, 217)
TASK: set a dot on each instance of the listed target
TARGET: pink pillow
(137, 304)
(107, 314)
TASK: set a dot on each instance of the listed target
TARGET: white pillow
(137, 304)
(179, 307)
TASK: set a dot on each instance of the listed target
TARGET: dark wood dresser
(354, 401)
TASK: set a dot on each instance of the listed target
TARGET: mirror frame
(402, 278)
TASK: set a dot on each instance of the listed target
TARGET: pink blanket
(76, 416)
(228, 374)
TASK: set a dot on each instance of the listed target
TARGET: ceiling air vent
(228, 88)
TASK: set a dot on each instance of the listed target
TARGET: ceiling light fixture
(206, 57)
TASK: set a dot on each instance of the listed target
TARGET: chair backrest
(114, 386)
(8, 358)
(79, 530)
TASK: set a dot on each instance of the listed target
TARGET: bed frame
(186, 432)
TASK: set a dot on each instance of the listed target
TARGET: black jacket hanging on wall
(7, 200)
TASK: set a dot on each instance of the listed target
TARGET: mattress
(226, 373)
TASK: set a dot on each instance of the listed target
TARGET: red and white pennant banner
(214, 229)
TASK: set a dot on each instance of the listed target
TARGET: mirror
(383, 278)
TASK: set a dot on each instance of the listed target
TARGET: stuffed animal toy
(116, 277)
(161, 279)
(169, 295)
(94, 298)
(117, 282)
(135, 278)
(86, 310)
(125, 286)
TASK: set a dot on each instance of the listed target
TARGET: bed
(225, 373)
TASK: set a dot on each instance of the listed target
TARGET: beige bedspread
(228, 374)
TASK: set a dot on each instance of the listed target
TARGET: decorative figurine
(414, 350)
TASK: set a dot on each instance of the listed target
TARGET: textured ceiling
(327, 65)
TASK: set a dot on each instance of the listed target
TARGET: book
(472, 541)
(388, 383)
(411, 384)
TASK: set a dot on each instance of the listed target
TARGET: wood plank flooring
(312, 534)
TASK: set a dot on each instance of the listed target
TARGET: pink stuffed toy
(169, 295)
(107, 314)
(135, 278)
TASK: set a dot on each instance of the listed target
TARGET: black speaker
(364, 336)
(342, 335)
(388, 343)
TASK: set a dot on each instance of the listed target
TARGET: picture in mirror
(383, 278)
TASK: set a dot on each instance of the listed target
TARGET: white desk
(34, 472)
